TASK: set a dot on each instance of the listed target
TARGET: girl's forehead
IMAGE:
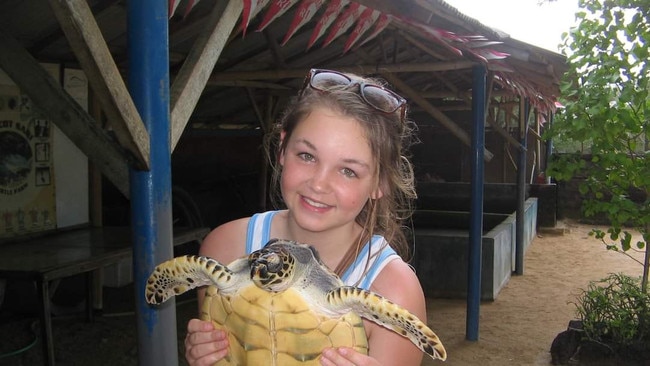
(330, 131)
(327, 124)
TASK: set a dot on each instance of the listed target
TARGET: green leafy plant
(616, 312)
(618, 240)
(607, 113)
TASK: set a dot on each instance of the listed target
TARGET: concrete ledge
(559, 229)
(440, 256)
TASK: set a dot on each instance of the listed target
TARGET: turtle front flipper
(384, 312)
(181, 274)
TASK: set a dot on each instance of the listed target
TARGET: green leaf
(606, 93)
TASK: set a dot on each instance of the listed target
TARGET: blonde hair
(389, 138)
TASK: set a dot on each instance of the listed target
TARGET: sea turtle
(282, 306)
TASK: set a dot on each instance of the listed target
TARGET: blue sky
(525, 20)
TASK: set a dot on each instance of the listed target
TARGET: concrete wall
(440, 256)
(498, 198)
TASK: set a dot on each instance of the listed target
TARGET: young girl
(347, 188)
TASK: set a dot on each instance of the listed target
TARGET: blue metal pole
(524, 110)
(151, 190)
(476, 209)
(549, 148)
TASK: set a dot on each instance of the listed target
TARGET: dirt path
(516, 329)
(520, 325)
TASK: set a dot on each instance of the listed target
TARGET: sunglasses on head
(376, 96)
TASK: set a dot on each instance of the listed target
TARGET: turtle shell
(278, 328)
(281, 306)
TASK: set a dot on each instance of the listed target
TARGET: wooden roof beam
(88, 44)
(50, 98)
(360, 69)
(533, 73)
(195, 72)
(274, 48)
(502, 131)
(440, 94)
(248, 84)
(451, 86)
(433, 111)
(189, 30)
(420, 45)
(467, 100)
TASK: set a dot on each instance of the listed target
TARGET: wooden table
(69, 253)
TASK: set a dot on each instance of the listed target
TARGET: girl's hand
(204, 345)
(344, 356)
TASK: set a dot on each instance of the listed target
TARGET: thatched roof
(426, 49)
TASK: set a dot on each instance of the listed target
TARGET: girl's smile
(328, 171)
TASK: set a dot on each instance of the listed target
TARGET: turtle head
(272, 268)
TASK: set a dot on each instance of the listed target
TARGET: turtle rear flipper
(179, 275)
(390, 315)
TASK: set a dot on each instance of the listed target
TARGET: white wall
(70, 164)
(71, 182)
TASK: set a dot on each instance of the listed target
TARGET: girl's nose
(320, 180)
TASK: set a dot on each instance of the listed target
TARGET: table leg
(98, 291)
(90, 291)
(46, 322)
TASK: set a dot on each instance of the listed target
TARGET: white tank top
(361, 273)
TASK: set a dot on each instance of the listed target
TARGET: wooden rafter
(360, 69)
(440, 94)
(433, 111)
(88, 44)
(247, 84)
(65, 112)
(501, 131)
(258, 113)
(421, 46)
(275, 49)
(194, 74)
(453, 88)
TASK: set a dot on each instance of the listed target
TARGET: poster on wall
(27, 191)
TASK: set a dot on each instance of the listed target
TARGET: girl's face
(328, 171)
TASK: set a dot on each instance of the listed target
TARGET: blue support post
(524, 108)
(549, 148)
(476, 209)
(151, 190)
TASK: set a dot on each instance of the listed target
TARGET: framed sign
(27, 190)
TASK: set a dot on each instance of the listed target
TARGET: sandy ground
(520, 325)
(515, 329)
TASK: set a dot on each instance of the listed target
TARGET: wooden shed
(232, 66)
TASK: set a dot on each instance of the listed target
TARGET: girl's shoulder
(227, 241)
(399, 283)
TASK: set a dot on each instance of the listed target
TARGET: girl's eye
(349, 173)
(306, 156)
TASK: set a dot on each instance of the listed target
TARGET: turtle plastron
(282, 307)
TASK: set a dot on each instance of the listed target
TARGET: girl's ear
(377, 194)
(382, 186)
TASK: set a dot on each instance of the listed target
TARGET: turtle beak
(261, 275)
(266, 274)
(259, 271)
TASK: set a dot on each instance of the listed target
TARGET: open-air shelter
(161, 73)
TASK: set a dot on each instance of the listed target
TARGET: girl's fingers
(203, 344)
